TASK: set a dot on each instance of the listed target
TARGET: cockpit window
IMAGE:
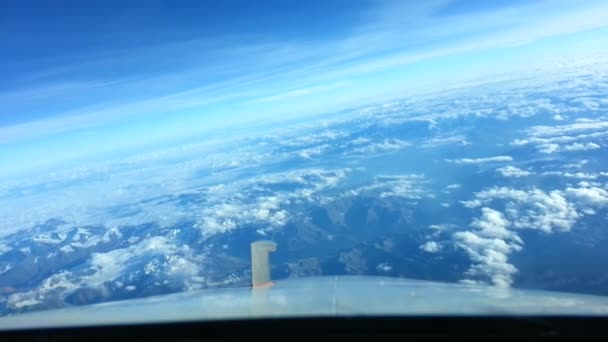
(436, 157)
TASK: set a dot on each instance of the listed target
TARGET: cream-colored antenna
(260, 262)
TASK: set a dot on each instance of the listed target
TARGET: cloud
(300, 136)
(4, 248)
(376, 147)
(302, 66)
(263, 200)
(573, 137)
(170, 173)
(580, 147)
(493, 224)
(513, 172)
(308, 153)
(403, 186)
(302, 92)
(577, 164)
(553, 148)
(493, 239)
(430, 247)
(559, 139)
(490, 257)
(593, 196)
(130, 195)
(467, 161)
(560, 130)
(533, 209)
(384, 267)
(146, 176)
(578, 175)
(361, 141)
(457, 139)
(441, 227)
(489, 247)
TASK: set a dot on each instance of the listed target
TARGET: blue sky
(84, 79)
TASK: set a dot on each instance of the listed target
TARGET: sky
(93, 79)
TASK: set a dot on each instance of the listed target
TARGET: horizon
(96, 80)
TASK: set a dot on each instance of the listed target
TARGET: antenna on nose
(260, 262)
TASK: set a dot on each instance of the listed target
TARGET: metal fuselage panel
(320, 296)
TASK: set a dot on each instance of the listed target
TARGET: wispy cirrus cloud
(308, 68)
(473, 161)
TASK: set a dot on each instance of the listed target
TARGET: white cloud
(430, 247)
(493, 240)
(441, 227)
(294, 137)
(384, 267)
(489, 247)
(589, 195)
(17, 302)
(512, 171)
(303, 92)
(289, 65)
(554, 148)
(444, 140)
(496, 159)
(4, 248)
(573, 137)
(257, 200)
(534, 208)
(580, 147)
(171, 174)
(561, 130)
(577, 165)
(489, 256)
(5, 268)
(578, 175)
(559, 139)
(360, 141)
(308, 153)
(493, 224)
(376, 147)
(404, 186)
